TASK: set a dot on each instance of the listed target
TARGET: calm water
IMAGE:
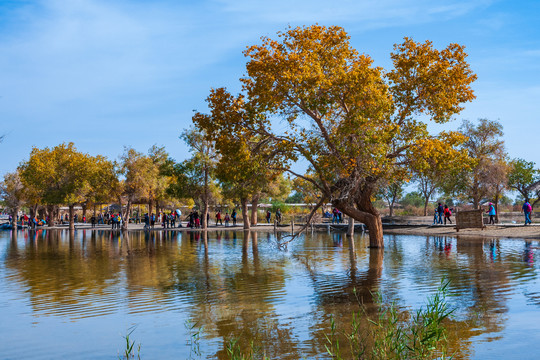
(74, 297)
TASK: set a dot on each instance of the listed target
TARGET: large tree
(392, 193)
(354, 123)
(247, 165)
(60, 175)
(141, 176)
(435, 169)
(12, 192)
(497, 182)
(158, 191)
(195, 177)
(524, 177)
(103, 182)
(485, 147)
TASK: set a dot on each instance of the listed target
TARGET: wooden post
(292, 223)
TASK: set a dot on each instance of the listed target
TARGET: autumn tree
(485, 147)
(140, 175)
(392, 192)
(524, 178)
(103, 182)
(354, 123)
(497, 181)
(248, 163)
(158, 192)
(195, 177)
(12, 192)
(435, 168)
(60, 175)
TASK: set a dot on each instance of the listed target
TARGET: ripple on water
(232, 288)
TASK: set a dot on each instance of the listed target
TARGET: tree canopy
(356, 124)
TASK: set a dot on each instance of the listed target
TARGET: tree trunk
(374, 225)
(71, 220)
(50, 214)
(84, 206)
(391, 208)
(150, 208)
(204, 215)
(254, 206)
(365, 212)
(350, 229)
(496, 201)
(125, 216)
(14, 217)
(426, 204)
(56, 214)
(245, 215)
(94, 210)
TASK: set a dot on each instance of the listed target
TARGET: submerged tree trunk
(71, 219)
(14, 217)
(245, 215)
(366, 213)
(350, 229)
(254, 206)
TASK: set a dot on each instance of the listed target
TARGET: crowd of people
(172, 219)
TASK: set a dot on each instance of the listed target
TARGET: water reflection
(238, 285)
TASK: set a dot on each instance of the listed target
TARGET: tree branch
(304, 227)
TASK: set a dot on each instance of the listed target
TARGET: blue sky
(110, 73)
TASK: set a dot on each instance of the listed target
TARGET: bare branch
(304, 227)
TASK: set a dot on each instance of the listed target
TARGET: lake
(76, 296)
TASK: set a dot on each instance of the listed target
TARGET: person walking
(218, 218)
(527, 210)
(335, 216)
(227, 219)
(197, 219)
(491, 212)
(173, 219)
(268, 216)
(93, 221)
(233, 217)
(146, 221)
(447, 214)
(278, 216)
(440, 213)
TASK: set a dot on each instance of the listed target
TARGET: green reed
(393, 334)
(194, 339)
(130, 351)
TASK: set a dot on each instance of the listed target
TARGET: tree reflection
(236, 284)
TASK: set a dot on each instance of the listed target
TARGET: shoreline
(493, 231)
(498, 231)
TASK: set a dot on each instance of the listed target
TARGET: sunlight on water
(75, 295)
